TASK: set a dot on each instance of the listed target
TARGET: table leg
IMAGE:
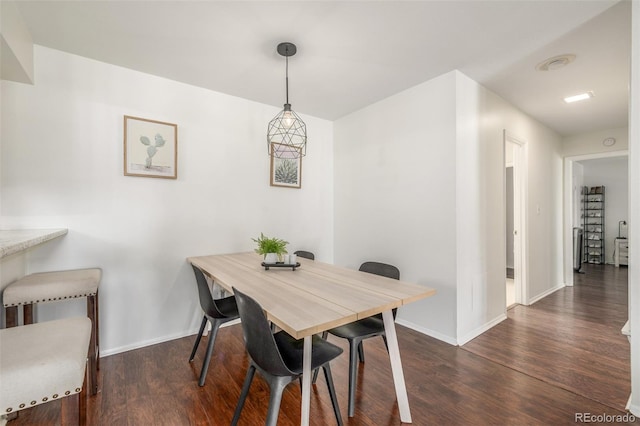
(306, 382)
(396, 367)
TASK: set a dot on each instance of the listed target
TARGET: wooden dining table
(315, 297)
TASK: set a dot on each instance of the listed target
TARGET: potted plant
(271, 248)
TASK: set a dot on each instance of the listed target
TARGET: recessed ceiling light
(580, 97)
(556, 62)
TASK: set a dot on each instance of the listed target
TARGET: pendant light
(287, 133)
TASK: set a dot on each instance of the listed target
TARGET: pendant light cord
(287, 75)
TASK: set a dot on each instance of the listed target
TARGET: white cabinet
(621, 254)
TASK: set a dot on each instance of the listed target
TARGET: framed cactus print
(286, 170)
(150, 148)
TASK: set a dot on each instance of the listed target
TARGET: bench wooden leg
(93, 353)
(74, 407)
(97, 331)
(27, 313)
(69, 409)
(12, 316)
(82, 405)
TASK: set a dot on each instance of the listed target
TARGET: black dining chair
(216, 311)
(305, 254)
(363, 329)
(278, 358)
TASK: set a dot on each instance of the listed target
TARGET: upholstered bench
(44, 362)
(54, 286)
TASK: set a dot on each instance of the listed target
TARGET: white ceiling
(351, 54)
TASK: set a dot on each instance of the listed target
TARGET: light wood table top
(315, 297)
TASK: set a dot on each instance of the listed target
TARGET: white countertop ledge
(17, 240)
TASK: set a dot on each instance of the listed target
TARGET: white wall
(420, 183)
(634, 208)
(481, 289)
(613, 173)
(62, 166)
(577, 179)
(395, 195)
(16, 45)
(480, 215)
(591, 143)
(544, 210)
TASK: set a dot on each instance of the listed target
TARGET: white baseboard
(545, 294)
(145, 343)
(478, 331)
(451, 340)
(155, 341)
(431, 333)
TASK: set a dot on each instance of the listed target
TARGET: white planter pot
(270, 258)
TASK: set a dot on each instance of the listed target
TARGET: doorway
(510, 230)
(574, 180)
(515, 225)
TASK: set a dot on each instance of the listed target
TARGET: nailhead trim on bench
(48, 300)
(44, 399)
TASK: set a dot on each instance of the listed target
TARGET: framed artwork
(150, 148)
(286, 170)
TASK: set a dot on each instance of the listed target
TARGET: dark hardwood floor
(571, 338)
(561, 356)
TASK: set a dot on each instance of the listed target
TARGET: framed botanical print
(150, 148)
(286, 169)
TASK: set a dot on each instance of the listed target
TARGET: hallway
(571, 338)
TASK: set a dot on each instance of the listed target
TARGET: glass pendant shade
(287, 135)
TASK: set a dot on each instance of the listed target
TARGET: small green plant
(271, 245)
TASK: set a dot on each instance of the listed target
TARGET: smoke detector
(556, 62)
